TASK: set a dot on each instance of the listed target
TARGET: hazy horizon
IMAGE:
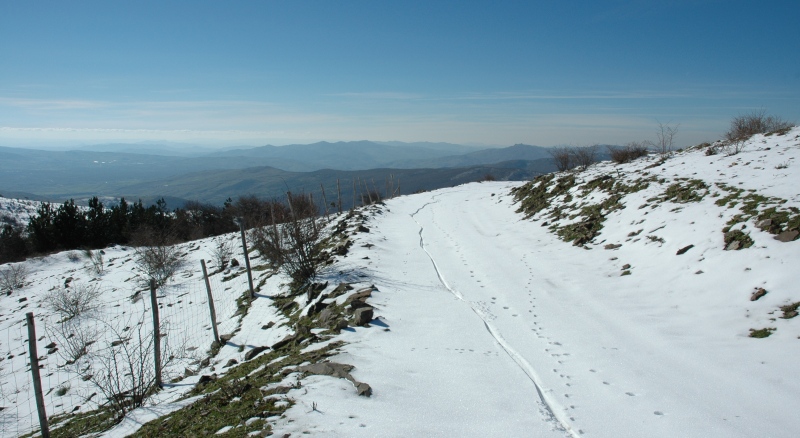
(258, 73)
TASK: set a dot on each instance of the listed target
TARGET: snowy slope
(488, 323)
(17, 211)
(499, 328)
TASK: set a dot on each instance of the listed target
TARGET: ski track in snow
(552, 408)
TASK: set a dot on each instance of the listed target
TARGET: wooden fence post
(210, 302)
(240, 221)
(339, 191)
(37, 379)
(156, 332)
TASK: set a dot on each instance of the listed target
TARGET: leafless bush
(371, 196)
(295, 245)
(665, 137)
(123, 371)
(73, 300)
(757, 122)
(222, 251)
(628, 153)
(13, 277)
(73, 339)
(156, 256)
(562, 157)
(95, 259)
(488, 177)
(583, 157)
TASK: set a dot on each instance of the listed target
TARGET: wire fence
(95, 358)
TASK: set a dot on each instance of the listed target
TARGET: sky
(471, 72)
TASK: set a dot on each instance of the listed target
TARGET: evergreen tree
(69, 226)
(41, 230)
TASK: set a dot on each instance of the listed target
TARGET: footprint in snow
(630, 394)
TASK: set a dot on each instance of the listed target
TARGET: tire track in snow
(553, 409)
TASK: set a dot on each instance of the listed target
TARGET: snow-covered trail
(490, 326)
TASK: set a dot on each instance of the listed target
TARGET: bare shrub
(156, 256)
(628, 153)
(13, 277)
(294, 246)
(488, 177)
(371, 196)
(73, 300)
(757, 122)
(123, 371)
(583, 157)
(562, 157)
(665, 137)
(73, 339)
(95, 258)
(221, 252)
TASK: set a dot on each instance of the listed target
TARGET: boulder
(764, 225)
(363, 389)
(760, 292)
(787, 236)
(613, 246)
(684, 249)
(283, 342)
(328, 369)
(363, 316)
(255, 351)
(360, 295)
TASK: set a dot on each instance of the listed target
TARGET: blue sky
(478, 72)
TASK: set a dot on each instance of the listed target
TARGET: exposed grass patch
(242, 394)
(761, 333)
(689, 190)
(790, 310)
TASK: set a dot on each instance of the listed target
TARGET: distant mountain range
(265, 171)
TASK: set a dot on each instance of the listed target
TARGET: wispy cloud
(388, 95)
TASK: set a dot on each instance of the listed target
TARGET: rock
(787, 236)
(684, 249)
(363, 316)
(340, 290)
(340, 324)
(225, 338)
(188, 372)
(734, 245)
(626, 266)
(255, 351)
(207, 379)
(22, 300)
(316, 308)
(759, 292)
(50, 345)
(52, 350)
(234, 262)
(231, 363)
(205, 362)
(268, 325)
(327, 316)
(764, 225)
(360, 295)
(613, 246)
(363, 389)
(363, 229)
(328, 369)
(283, 342)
